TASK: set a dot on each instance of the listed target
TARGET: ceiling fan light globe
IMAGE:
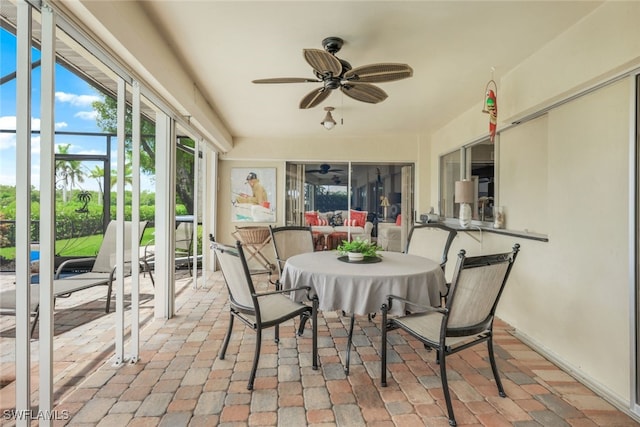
(328, 121)
(328, 125)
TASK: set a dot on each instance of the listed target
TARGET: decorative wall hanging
(491, 107)
(253, 194)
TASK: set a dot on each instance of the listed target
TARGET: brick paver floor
(179, 380)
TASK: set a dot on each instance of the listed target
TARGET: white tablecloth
(362, 288)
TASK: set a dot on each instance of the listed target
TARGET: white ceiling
(452, 47)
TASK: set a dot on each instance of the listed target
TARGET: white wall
(567, 175)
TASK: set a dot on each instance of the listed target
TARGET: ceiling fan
(324, 169)
(336, 73)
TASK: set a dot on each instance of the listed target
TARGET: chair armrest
(389, 232)
(283, 291)
(368, 227)
(387, 225)
(70, 262)
(149, 253)
(390, 298)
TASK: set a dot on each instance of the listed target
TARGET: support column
(47, 210)
(120, 200)
(135, 224)
(23, 213)
(165, 216)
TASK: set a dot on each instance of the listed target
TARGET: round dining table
(360, 288)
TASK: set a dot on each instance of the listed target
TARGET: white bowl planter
(355, 256)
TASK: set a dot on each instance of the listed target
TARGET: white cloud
(8, 140)
(86, 115)
(8, 122)
(35, 145)
(77, 100)
(8, 179)
(61, 125)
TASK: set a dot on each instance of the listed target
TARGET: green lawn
(81, 246)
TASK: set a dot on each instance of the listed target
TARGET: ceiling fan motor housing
(332, 44)
(332, 83)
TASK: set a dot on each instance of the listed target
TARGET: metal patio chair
(183, 250)
(433, 241)
(289, 241)
(262, 310)
(466, 320)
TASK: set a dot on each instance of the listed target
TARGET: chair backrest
(289, 241)
(184, 237)
(431, 241)
(106, 257)
(476, 288)
(236, 275)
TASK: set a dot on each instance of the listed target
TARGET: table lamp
(464, 196)
(384, 202)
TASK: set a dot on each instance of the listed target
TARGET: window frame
(449, 210)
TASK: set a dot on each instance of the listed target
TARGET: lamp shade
(464, 191)
(384, 202)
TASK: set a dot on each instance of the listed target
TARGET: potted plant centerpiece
(358, 249)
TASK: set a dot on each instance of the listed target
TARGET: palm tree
(128, 180)
(97, 173)
(68, 172)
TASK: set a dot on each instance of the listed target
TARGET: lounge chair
(102, 274)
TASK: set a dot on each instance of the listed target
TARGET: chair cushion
(353, 230)
(351, 222)
(428, 326)
(277, 306)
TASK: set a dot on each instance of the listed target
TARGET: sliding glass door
(333, 189)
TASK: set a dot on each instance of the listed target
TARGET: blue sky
(73, 112)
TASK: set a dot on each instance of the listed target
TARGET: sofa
(333, 227)
(389, 237)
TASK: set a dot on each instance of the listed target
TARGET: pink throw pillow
(359, 216)
(398, 220)
(311, 218)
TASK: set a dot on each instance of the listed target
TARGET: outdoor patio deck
(179, 380)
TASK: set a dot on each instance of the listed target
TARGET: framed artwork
(253, 194)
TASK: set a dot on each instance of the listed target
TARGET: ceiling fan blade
(322, 62)
(314, 98)
(379, 73)
(364, 92)
(286, 80)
